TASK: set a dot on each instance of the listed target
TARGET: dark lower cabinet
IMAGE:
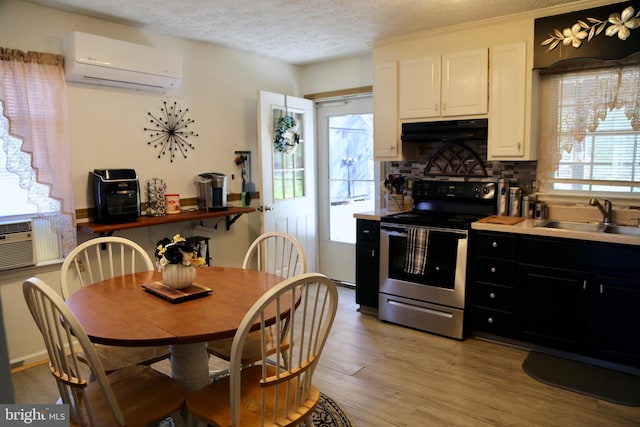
(367, 262)
(616, 325)
(576, 296)
(494, 273)
(552, 307)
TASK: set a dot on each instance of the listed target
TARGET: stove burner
(464, 218)
(407, 215)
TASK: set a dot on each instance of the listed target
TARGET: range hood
(445, 131)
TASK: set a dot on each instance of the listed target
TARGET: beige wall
(106, 131)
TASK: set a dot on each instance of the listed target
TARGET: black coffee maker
(116, 194)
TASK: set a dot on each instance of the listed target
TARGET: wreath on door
(286, 138)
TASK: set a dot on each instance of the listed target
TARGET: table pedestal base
(190, 365)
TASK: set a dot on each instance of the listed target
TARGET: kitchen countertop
(528, 226)
(376, 215)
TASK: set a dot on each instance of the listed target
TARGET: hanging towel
(416, 260)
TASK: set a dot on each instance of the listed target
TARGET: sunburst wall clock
(169, 131)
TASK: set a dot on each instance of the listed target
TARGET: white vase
(178, 276)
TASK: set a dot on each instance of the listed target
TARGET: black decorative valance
(606, 33)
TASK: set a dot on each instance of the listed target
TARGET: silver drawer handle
(494, 244)
(492, 295)
(493, 269)
(490, 320)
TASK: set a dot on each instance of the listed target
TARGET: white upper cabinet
(453, 84)
(507, 135)
(386, 140)
(465, 82)
(420, 87)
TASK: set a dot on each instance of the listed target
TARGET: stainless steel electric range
(423, 254)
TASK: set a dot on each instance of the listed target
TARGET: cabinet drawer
(495, 245)
(368, 231)
(495, 271)
(493, 296)
(493, 321)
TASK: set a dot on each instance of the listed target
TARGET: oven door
(443, 278)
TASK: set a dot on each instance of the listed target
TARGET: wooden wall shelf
(231, 214)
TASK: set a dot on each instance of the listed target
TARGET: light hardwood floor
(388, 375)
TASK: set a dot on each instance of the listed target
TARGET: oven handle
(422, 309)
(395, 229)
(402, 230)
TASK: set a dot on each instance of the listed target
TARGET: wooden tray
(176, 295)
(504, 220)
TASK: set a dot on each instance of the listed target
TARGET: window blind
(590, 131)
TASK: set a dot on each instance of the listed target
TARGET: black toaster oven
(116, 194)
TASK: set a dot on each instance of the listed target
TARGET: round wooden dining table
(120, 312)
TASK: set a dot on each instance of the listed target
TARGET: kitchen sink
(574, 226)
(622, 229)
(592, 228)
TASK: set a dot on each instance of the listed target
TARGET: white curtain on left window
(32, 91)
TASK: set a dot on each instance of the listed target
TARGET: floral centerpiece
(177, 259)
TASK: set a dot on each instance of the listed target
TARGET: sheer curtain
(574, 103)
(32, 91)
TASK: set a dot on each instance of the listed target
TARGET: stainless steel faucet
(606, 210)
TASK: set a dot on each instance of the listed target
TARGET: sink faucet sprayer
(606, 210)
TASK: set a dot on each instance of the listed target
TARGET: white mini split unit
(108, 62)
(16, 245)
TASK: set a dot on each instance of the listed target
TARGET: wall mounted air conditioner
(108, 62)
(16, 245)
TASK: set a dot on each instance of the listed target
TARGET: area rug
(604, 384)
(327, 414)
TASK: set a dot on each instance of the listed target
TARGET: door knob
(264, 208)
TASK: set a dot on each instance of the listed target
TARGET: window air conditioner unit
(108, 62)
(16, 245)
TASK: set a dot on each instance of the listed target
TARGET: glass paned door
(351, 173)
(348, 178)
(288, 166)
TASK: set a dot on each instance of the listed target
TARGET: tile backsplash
(522, 174)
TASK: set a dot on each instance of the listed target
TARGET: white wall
(344, 73)
(106, 131)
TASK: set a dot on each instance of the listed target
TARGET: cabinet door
(367, 262)
(465, 83)
(617, 319)
(507, 102)
(419, 93)
(385, 111)
(551, 307)
(367, 275)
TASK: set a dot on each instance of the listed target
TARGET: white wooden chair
(277, 253)
(133, 396)
(99, 259)
(267, 394)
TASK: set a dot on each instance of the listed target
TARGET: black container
(116, 193)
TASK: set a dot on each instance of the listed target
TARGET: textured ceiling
(294, 31)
